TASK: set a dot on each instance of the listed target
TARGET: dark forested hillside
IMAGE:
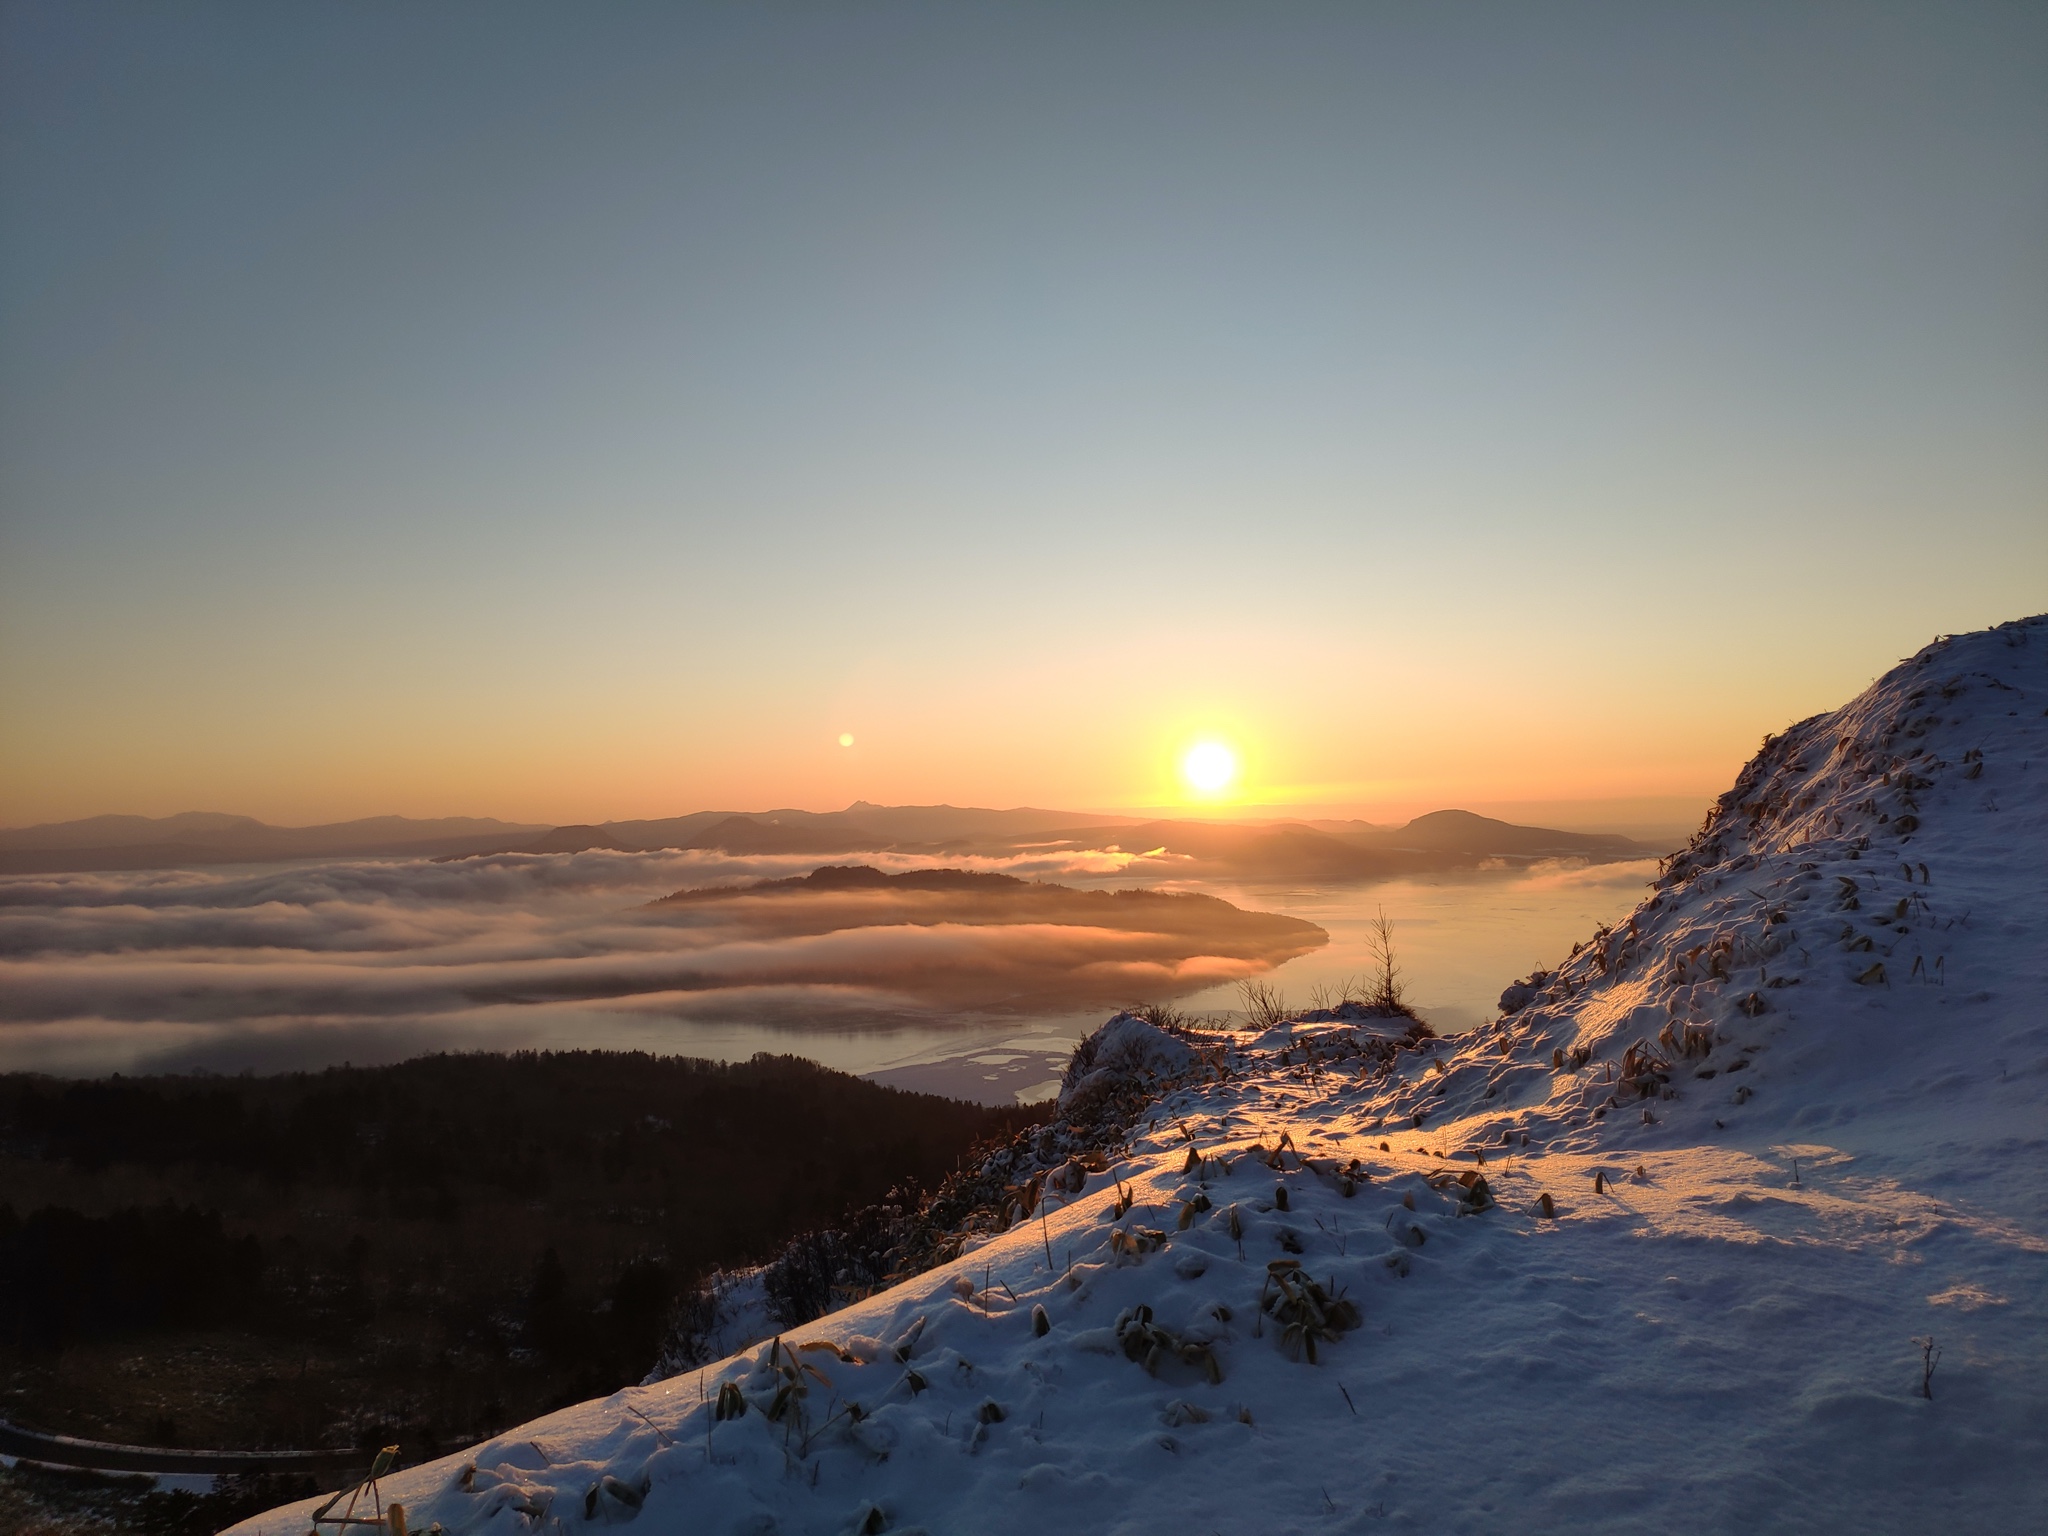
(422, 1250)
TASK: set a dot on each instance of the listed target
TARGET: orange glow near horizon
(1100, 719)
(1058, 729)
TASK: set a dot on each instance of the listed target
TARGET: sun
(1209, 766)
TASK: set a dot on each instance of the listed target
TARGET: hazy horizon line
(1595, 811)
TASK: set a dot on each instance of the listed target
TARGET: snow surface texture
(1790, 1120)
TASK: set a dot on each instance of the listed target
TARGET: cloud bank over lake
(366, 959)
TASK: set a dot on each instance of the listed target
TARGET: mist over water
(300, 966)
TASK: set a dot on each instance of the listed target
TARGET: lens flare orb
(1209, 766)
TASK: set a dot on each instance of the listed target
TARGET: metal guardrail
(101, 1456)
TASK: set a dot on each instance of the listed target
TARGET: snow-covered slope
(1790, 1120)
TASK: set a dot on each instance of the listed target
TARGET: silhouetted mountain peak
(1467, 832)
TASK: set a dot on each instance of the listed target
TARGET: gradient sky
(566, 412)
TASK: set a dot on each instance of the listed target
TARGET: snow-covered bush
(1125, 1052)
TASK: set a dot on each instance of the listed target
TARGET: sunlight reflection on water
(1458, 939)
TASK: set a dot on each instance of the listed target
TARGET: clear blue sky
(575, 411)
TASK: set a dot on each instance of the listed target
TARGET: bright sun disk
(1209, 766)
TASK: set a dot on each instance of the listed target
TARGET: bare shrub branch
(1264, 1004)
(1386, 992)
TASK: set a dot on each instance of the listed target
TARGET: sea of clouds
(372, 959)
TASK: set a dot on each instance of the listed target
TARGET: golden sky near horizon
(1320, 721)
(406, 411)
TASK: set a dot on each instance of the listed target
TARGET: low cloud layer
(116, 970)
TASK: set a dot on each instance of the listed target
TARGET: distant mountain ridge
(1298, 850)
(579, 838)
(1466, 832)
(200, 838)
